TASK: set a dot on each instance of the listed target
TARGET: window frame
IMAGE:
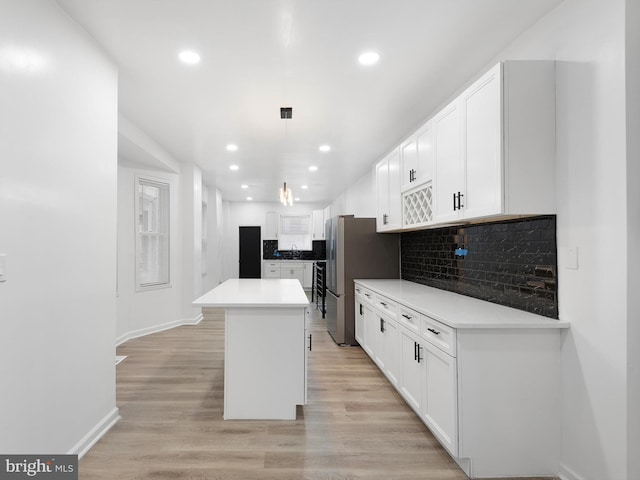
(285, 237)
(164, 186)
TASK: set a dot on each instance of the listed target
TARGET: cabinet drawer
(387, 306)
(271, 265)
(410, 319)
(439, 334)
(271, 273)
(367, 296)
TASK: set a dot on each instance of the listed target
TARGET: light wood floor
(170, 395)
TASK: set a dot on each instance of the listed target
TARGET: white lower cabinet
(439, 395)
(271, 270)
(300, 270)
(412, 372)
(359, 317)
(387, 347)
(489, 395)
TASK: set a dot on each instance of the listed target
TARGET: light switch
(3, 263)
(572, 258)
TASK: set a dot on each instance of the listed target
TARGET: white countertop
(457, 311)
(255, 292)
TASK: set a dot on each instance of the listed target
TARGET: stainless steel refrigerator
(354, 250)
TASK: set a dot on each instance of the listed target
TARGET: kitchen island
(265, 346)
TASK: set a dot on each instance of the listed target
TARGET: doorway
(250, 256)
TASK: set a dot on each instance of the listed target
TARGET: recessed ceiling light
(325, 148)
(313, 168)
(233, 167)
(249, 198)
(304, 187)
(244, 186)
(369, 58)
(297, 199)
(232, 148)
(190, 57)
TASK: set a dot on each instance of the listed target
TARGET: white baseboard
(158, 328)
(96, 433)
(567, 474)
(193, 321)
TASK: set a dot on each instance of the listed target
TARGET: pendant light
(286, 195)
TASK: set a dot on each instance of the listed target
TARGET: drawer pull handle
(435, 332)
(367, 295)
(408, 317)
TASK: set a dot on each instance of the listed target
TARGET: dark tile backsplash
(270, 251)
(511, 263)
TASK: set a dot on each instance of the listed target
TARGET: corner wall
(587, 39)
(58, 187)
(633, 222)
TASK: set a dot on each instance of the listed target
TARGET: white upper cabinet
(318, 225)
(388, 193)
(482, 120)
(272, 221)
(449, 181)
(495, 145)
(416, 154)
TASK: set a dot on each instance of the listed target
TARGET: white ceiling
(260, 55)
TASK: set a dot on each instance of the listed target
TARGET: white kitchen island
(265, 346)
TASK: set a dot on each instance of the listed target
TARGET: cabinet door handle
(434, 331)
(382, 324)
(455, 207)
(310, 341)
(385, 219)
(418, 358)
(415, 351)
(361, 312)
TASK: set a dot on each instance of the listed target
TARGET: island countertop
(255, 292)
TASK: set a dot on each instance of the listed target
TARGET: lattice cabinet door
(417, 206)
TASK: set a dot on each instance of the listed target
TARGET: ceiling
(260, 55)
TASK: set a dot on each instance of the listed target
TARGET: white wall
(191, 231)
(633, 223)
(58, 188)
(148, 311)
(587, 39)
(214, 274)
(249, 214)
(360, 199)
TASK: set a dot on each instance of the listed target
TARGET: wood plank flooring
(170, 395)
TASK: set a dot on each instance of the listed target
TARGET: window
(295, 232)
(152, 234)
